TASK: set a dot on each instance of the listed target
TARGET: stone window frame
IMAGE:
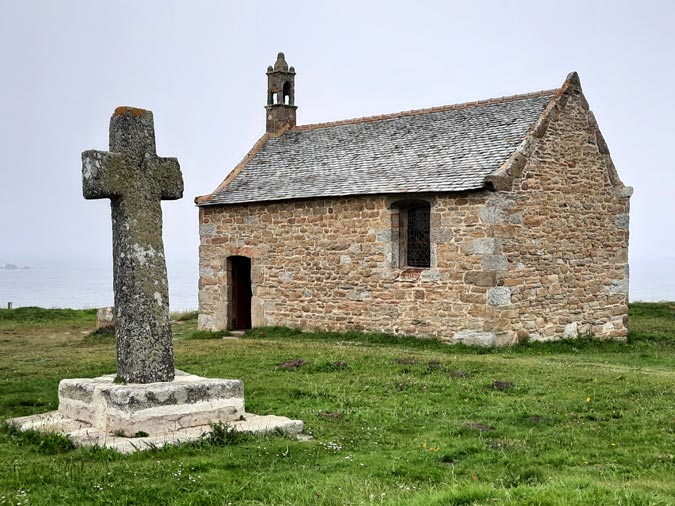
(399, 215)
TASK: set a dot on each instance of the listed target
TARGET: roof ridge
(416, 112)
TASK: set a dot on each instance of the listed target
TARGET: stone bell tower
(280, 95)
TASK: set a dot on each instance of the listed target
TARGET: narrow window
(418, 237)
(414, 233)
(287, 94)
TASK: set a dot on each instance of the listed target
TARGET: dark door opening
(241, 292)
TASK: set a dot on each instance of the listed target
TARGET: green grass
(207, 334)
(184, 316)
(31, 315)
(395, 420)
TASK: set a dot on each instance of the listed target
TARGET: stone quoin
(486, 223)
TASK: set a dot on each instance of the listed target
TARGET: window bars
(418, 250)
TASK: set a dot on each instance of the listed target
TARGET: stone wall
(332, 264)
(542, 258)
(568, 260)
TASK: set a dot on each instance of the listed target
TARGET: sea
(85, 284)
(88, 284)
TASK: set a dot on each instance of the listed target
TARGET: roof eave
(469, 188)
(205, 200)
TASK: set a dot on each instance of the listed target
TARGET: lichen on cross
(136, 180)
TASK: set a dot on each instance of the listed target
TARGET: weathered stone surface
(499, 296)
(153, 408)
(482, 246)
(135, 179)
(134, 417)
(495, 263)
(480, 278)
(83, 434)
(619, 286)
(207, 230)
(499, 182)
(474, 338)
(105, 318)
(491, 215)
(280, 106)
(622, 221)
(571, 330)
(624, 191)
(515, 165)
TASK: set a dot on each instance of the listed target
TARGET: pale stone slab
(474, 338)
(495, 263)
(499, 296)
(52, 421)
(105, 318)
(571, 330)
(83, 434)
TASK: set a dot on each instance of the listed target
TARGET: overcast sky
(199, 65)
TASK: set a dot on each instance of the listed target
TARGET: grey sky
(200, 67)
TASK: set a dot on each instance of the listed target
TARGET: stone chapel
(487, 223)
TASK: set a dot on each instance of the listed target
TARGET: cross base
(136, 417)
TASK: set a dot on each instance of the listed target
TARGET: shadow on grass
(102, 333)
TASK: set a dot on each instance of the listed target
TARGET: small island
(14, 267)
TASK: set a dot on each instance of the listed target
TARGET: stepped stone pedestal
(132, 417)
(151, 408)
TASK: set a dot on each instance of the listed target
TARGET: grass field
(394, 420)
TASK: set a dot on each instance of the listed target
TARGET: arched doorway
(240, 288)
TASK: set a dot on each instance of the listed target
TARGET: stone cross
(135, 180)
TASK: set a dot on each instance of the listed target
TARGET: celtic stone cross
(135, 180)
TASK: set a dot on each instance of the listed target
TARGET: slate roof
(451, 148)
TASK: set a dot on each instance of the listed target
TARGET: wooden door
(241, 293)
